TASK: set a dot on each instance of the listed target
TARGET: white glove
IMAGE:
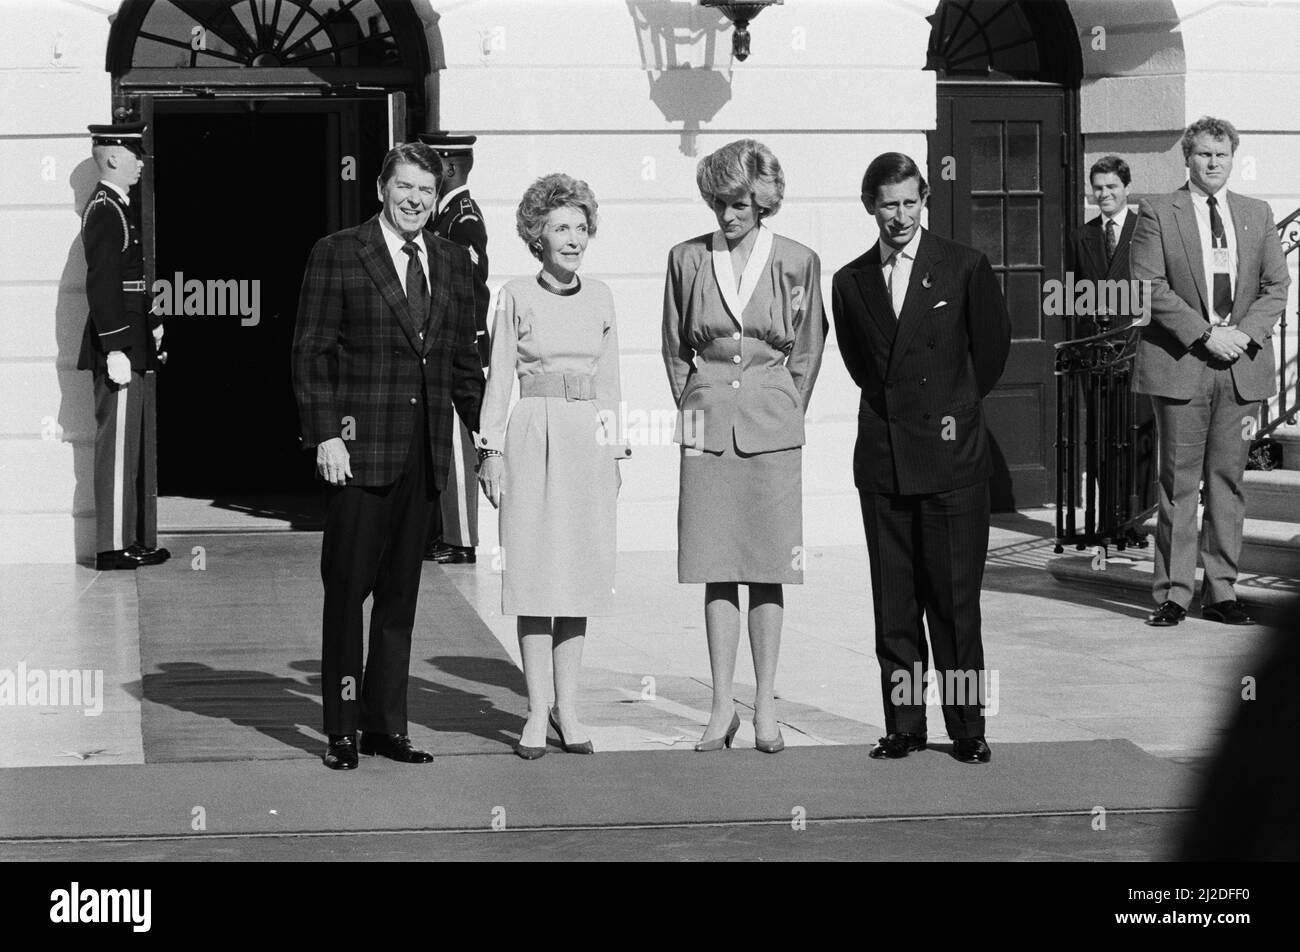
(119, 368)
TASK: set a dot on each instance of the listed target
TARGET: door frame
(943, 214)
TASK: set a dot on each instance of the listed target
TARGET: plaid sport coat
(359, 359)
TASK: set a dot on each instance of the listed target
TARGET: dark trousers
(1205, 438)
(126, 462)
(374, 543)
(927, 564)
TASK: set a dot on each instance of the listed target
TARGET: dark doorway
(1005, 191)
(243, 188)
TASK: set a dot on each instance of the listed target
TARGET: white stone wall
(52, 84)
(601, 89)
(568, 87)
(1167, 62)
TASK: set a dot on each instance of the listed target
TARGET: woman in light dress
(553, 467)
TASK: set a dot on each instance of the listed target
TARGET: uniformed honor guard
(453, 534)
(121, 348)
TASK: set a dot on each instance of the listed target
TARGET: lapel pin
(926, 282)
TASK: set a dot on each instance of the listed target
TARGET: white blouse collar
(737, 300)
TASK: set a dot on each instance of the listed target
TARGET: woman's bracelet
(484, 453)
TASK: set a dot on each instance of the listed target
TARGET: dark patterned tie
(1222, 281)
(417, 294)
(1111, 241)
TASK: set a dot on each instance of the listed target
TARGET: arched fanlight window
(1004, 40)
(312, 34)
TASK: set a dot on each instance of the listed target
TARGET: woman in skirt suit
(743, 333)
(552, 470)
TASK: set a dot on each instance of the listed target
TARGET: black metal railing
(1288, 403)
(1105, 442)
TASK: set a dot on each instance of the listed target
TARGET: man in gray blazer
(1218, 284)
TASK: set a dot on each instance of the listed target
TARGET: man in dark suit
(120, 347)
(453, 533)
(924, 331)
(1101, 253)
(1101, 246)
(384, 347)
(1218, 283)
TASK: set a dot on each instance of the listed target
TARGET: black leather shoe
(116, 559)
(1229, 613)
(972, 750)
(1167, 615)
(341, 754)
(394, 747)
(451, 554)
(148, 555)
(896, 746)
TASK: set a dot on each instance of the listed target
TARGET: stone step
(1289, 437)
(1273, 494)
(1269, 547)
(1129, 574)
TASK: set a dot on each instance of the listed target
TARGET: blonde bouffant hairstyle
(743, 167)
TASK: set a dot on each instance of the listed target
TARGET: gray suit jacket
(1166, 251)
(749, 384)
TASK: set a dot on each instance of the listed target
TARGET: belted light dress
(560, 442)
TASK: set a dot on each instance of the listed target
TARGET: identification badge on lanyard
(1221, 261)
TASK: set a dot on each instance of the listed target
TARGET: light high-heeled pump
(774, 746)
(583, 748)
(725, 740)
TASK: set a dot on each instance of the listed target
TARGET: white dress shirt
(394, 240)
(1118, 218)
(898, 266)
(1202, 209)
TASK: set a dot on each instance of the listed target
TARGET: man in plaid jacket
(383, 349)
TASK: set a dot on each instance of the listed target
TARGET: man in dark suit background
(1218, 283)
(1101, 246)
(453, 532)
(383, 348)
(1100, 252)
(924, 331)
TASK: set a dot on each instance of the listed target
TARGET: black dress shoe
(148, 555)
(972, 750)
(341, 754)
(451, 555)
(394, 747)
(1167, 615)
(896, 746)
(116, 559)
(1229, 613)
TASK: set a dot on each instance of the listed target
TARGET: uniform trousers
(927, 557)
(374, 544)
(455, 521)
(126, 462)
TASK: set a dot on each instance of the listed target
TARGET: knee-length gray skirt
(740, 517)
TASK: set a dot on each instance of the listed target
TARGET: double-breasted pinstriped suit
(369, 369)
(922, 461)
